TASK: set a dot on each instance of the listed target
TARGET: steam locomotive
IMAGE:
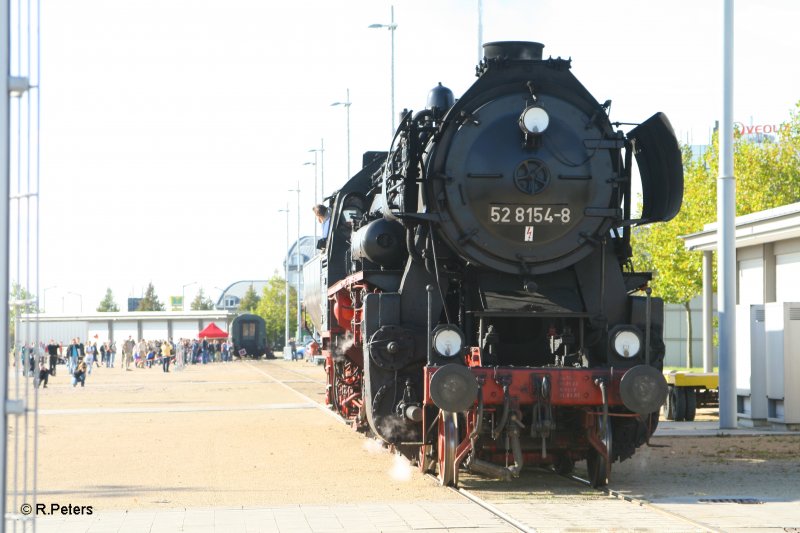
(476, 296)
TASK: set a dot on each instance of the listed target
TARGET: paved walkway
(463, 517)
(67, 406)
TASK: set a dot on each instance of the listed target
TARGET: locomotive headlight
(534, 120)
(448, 341)
(627, 342)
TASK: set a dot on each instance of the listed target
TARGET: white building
(768, 312)
(102, 327)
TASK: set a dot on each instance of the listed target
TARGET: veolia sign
(755, 129)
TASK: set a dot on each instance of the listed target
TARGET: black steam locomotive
(476, 296)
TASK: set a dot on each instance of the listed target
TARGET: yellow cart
(687, 391)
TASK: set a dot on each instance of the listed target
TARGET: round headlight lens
(534, 120)
(627, 343)
(448, 341)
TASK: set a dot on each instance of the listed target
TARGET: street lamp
(183, 295)
(297, 263)
(221, 294)
(346, 105)
(79, 296)
(44, 297)
(391, 27)
(321, 151)
(315, 187)
(286, 275)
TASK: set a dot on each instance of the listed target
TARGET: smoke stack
(515, 50)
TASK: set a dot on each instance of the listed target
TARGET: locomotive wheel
(447, 444)
(425, 461)
(691, 403)
(678, 399)
(669, 405)
(596, 463)
(563, 465)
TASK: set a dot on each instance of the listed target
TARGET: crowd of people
(41, 362)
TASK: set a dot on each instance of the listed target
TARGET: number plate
(523, 215)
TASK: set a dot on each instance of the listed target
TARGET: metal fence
(19, 245)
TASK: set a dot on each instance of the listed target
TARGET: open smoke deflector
(659, 159)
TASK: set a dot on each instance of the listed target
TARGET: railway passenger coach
(476, 295)
(249, 336)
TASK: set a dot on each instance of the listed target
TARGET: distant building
(767, 365)
(232, 296)
(102, 327)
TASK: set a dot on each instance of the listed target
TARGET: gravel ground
(231, 435)
(216, 435)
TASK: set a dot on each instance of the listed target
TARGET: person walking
(91, 351)
(166, 355)
(112, 353)
(127, 353)
(73, 353)
(52, 351)
(293, 347)
(180, 353)
(142, 349)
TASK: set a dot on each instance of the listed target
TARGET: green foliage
(107, 304)
(272, 308)
(150, 300)
(201, 302)
(21, 302)
(767, 175)
(249, 301)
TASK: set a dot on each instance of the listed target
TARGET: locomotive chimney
(518, 50)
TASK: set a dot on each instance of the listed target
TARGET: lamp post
(315, 188)
(321, 151)
(44, 297)
(297, 263)
(221, 294)
(286, 275)
(346, 105)
(480, 31)
(391, 27)
(183, 295)
(79, 296)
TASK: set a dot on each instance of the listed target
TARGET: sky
(171, 131)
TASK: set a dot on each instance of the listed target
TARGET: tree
(150, 301)
(272, 308)
(201, 302)
(249, 301)
(21, 302)
(107, 304)
(767, 175)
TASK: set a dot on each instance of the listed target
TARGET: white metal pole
(347, 106)
(392, 27)
(4, 244)
(322, 169)
(286, 284)
(708, 311)
(480, 30)
(297, 266)
(726, 254)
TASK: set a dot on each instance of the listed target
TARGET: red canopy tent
(212, 332)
